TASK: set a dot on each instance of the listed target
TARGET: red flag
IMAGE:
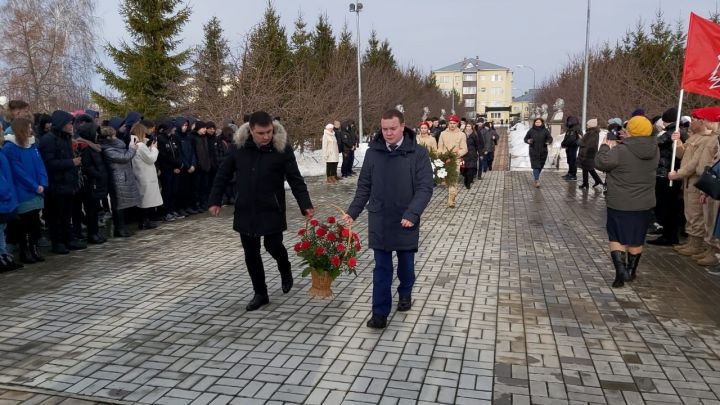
(701, 73)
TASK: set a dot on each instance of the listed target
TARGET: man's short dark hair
(434, 119)
(260, 118)
(393, 113)
(17, 105)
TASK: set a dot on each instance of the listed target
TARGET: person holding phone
(143, 164)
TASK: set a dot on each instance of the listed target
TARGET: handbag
(709, 182)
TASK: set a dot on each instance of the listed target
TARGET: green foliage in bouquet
(328, 247)
(445, 166)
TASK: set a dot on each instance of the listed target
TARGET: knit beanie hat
(593, 123)
(616, 121)
(639, 126)
(670, 115)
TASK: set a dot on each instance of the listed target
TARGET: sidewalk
(512, 305)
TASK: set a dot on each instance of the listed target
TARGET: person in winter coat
(396, 184)
(63, 169)
(95, 180)
(262, 159)
(470, 159)
(571, 143)
(204, 168)
(8, 209)
(188, 164)
(330, 153)
(670, 205)
(630, 168)
(30, 180)
(223, 151)
(168, 164)
(538, 137)
(588, 149)
(425, 138)
(349, 137)
(123, 133)
(212, 140)
(123, 186)
(697, 153)
(488, 142)
(453, 140)
(143, 165)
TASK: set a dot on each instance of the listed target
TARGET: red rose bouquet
(328, 249)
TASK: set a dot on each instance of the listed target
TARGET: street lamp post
(356, 8)
(531, 68)
(587, 68)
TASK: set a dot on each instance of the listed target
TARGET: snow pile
(312, 163)
(520, 152)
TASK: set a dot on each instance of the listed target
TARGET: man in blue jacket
(396, 184)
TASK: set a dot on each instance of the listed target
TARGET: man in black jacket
(263, 159)
(168, 163)
(63, 170)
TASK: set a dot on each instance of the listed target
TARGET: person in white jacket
(146, 174)
(330, 153)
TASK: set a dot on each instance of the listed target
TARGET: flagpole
(677, 128)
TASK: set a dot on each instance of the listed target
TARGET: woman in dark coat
(95, 179)
(631, 168)
(588, 150)
(538, 137)
(124, 191)
(471, 157)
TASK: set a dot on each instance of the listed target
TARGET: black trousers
(347, 164)
(571, 154)
(202, 188)
(26, 229)
(331, 169)
(469, 174)
(58, 216)
(78, 216)
(669, 209)
(118, 216)
(185, 190)
(92, 207)
(594, 175)
(253, 259)
(168, 189)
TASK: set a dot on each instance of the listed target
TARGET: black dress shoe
(377, 322)
(121, 233)
(287, 282)
(257, 301)
(662, 241)
(95, 239)
(59, 249)
(76, 245)
(404, 304)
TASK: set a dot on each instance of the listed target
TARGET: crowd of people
(647, 191)
(70, 172)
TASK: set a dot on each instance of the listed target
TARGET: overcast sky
(432, 34)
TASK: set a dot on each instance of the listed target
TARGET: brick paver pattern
(512, 304)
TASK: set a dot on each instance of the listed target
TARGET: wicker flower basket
(321, 282)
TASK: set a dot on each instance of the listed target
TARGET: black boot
(632, 265)
(619, 261)
(8, 264)
(25, 256)
(35, 253)
(287, 282)
(257, 301)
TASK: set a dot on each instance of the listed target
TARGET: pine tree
(300, 42)
(147, 66)
(268, 45)
(210, 67)
(379, 54)
(322, 43)
(346, 50)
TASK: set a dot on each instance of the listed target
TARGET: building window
(469, 90)
(470, 102)
(496, 91)
(496, 78)
(469, 77)
(482, 89)
(483, 78)
(495, 115)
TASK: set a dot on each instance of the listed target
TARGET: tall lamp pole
(531, 68)
(587, 68)
(356, 8)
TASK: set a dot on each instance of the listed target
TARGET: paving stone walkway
(512, 305)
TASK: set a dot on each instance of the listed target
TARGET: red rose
(341, 247)
(314, 222)
(319, 251)
(305, 245)
(331, 220)
(321, 232)
(356, 237)
(345, 233)
(352, 262)
(335, 261)
(297, 247)
(357, 247)
(331, 237)
(302, 232)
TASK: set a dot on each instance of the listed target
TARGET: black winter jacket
(94, 171)
(538, 138)
(588, 148)
(57, 154)
(471, 157)
(168, 153)
(665, 144)
(260, 177)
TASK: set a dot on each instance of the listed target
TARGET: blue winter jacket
(8, 199)
(27, 168)
(395, 185)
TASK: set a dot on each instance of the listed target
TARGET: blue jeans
(3, 245)
(383, 277)
(536, 174)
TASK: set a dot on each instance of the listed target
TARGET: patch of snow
(312, 164)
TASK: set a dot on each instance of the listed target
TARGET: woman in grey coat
(123, 187)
